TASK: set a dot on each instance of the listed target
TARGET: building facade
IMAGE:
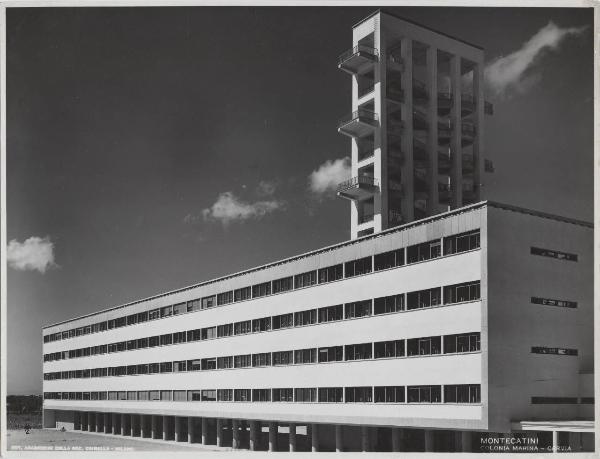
(416, 123)
(420, 337)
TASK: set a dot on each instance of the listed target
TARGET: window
(305, 394)
(153, 368)
(467, 291)
(242, 361)
(194, 365)
(305, 279)
(208, 395)
(283, 395)
(209, 333)
(424, 346)
(388, 304)
(225, 362)
(389, 260)
(194, 335)
(422, 252)
(305, 317)
(179, 308)
(223, 298)
(209, 363)
(423, 298)
(241, 328)
(304, 356)
(358, 309)
(283, 321)
(461, 242)
(283, 285)
(112, 395)
(142, 395)
(389, 394)
(242, 395)
(586, 400)
(179, 366)
(466, 342)
(225, 395)
(131, 319)
(358, 267)
(193, 395)
(142, 317)
(242, 294)
(166, 339)
(261, 325)
(153, 315)
(225, 330)
(553, 400)
(331, 354)
(166, 367)
(261, 360)
(553, 350)
(424, 394)
(193, 305)
(131, 370)
(167, 311)
(330, 274)
(358, 351)
(142, 343)
(331, 313)
(263, 289)
(132, 345)
(283, 358)
(462, 393)
(102, 395)
(331, 395)
(178, 337)
(387, 349)
(119, 322)
(359, 394)
(550, 302)
(261, 395)
(179, 395)
(553, 254)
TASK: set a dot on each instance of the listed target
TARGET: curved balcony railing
(359, 49)
(355, 182)
(359, 115)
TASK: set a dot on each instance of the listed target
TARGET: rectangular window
(358, 309)
(209, 363)
(283, 358)
(179, 366)
(389, 349)
(359, 394)
(119, 322)
(358, 351)
(225, 362)
(331, 273)
(243, 327)
(209, 333)
(225, 395)
(305, 394)
(465, 342)
(153, 368)
(166, 311)
(131, 370)
(142, 343)
(194, 335)
(458, 293)
(194, 365)
(193, 395)
(131, 319)
(554, 254)
(193, 305)
(389, 394)
(211, 301)
(179, 308)
(242, 294)
(261, 325)
(331, 354)
(423, 298)
(223, 298)
(461, 242)
(261, 395)
(305, 279)
(553, 400)
(242, 395)
(553, 350)
(112, 395)
(283, 285)
(388, 304)
(132, 345)
(179, 337)
(166, 339)
(224, 330)
(305, 318)
(331, 395)
(424, 251)
(242, 361)
(283, 321)
(261, 360)
(304, 356)
(142, 395)
(551, 302)
(424, 394)
(331, 313)
(462, 393)
(179, 395)
(586, 400)
(142, 317)
(430, 345)
(263, 289)
(154, 314)
(208, 395)
(389, 260)
(283, 395)
(154, 395)
(166, 367)
(358, 267)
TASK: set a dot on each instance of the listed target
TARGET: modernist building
(419, 337)
(416, 123)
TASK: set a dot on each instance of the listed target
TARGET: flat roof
(378, 11)
(396, 229)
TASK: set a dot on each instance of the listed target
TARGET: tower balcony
(395, 93)
(468, 133)
(358, 60)
(396, 186)
(358, 124)
(358, 188)
(444, 103)
(419, 91)
(467, 104)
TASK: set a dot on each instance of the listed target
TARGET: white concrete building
(419, 337)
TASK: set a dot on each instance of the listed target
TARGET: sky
(153, 148)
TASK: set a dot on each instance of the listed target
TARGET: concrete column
(432, 134)
(154, 426)
(123, 424)
(219, 432)
(177, 428)
(339, 438)
(408, 201)
(314, 435)
(142, 426)
(166, 427)
(191, 425)
(456, 141)
(129, 418)
(429, 442)
(84, 421)
(292, 437)
(253, 436)
(204, 431)
(107, 419)
(396, 439)
(555, 441)
(273, 436)
(235, 434)
(99, 422)
(364, 439)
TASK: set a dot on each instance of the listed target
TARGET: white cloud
(35, 254)
(508, 72)
(328, 176)
(266, 188)
(228, 208)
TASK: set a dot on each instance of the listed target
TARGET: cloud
(35, 254)
(328, 176)
(228, 208)
(266, 188)
(508, 72)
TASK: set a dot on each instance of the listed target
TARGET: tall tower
(416, 123)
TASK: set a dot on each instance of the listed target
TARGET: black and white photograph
(297, 228)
